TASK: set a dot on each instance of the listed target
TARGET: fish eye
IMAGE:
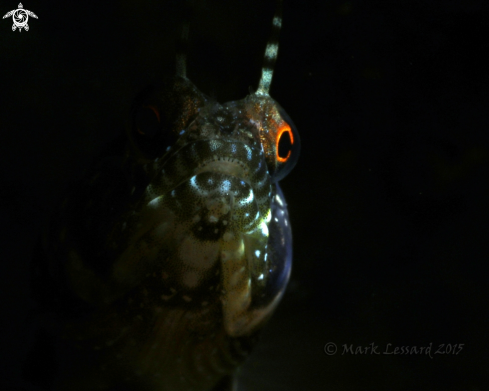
(151, 129)
(287, 147)
(147, 121)
(284, 143)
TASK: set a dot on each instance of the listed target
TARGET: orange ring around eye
(284, 128)
(155, 111)
(157, 117)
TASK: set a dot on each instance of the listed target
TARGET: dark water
(388, 200)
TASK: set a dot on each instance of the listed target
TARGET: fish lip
(225, 165)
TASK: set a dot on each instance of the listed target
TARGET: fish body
(161, 266)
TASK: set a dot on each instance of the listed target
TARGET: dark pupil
(284, 144)
(147, 122)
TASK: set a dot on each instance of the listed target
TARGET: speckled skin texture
(170, 255)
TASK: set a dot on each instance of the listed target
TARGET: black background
(388, 200)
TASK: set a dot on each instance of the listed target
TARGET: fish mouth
(225, 165)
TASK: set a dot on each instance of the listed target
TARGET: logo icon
(20, 16)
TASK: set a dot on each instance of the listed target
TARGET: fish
(161, 266)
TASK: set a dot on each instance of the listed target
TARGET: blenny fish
(161, 266)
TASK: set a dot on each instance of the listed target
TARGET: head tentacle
(271, 53)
